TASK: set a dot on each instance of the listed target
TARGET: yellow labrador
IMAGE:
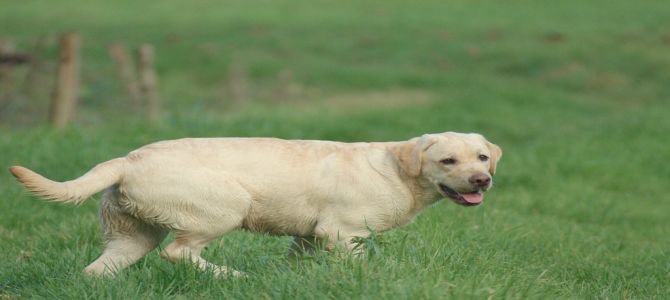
(318, 191)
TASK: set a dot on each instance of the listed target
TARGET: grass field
(576, 93)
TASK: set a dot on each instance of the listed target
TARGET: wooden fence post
(124, 65)
(67, 86)
(149, 81)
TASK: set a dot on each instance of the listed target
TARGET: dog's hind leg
(127, 239)
(188, 247)
(200, 226)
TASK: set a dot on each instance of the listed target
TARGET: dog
(320, 192)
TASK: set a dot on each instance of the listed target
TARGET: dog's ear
(410, 153)
(496, 154)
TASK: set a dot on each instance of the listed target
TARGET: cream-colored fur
(318, 191)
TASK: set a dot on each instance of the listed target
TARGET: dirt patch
(369, 100)
(553, 37)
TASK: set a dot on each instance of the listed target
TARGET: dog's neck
(423, 192)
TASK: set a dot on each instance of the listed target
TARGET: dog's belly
(282, 218)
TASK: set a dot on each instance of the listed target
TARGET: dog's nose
(480, 179)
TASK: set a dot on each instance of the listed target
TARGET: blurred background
(575, 92)
(216, 58)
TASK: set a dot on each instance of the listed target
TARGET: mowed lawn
(575, 93)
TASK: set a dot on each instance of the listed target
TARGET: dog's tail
(74, 191)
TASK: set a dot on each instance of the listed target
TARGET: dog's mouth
(467, 199)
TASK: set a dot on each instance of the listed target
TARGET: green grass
(575, 93)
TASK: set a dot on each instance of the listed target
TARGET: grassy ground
(575, 93)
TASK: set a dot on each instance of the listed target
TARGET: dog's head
(459, 166)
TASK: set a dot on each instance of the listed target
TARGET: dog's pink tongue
(473, 198)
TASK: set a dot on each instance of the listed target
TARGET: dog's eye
(483, 157)
(448, 161)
